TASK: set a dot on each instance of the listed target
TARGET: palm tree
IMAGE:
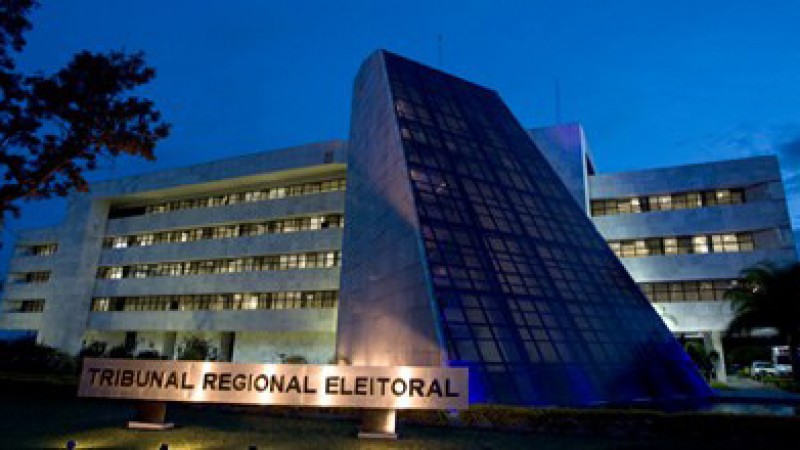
(769, 297)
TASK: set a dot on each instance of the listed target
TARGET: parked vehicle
(760, 369)
(782, 360)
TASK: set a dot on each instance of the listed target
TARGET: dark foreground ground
(50, 423)
(35, 416)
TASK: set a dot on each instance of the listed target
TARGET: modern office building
(243, 253)
(685, 233)
(463, 247)
(461, 241)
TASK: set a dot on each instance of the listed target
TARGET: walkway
(747, 388)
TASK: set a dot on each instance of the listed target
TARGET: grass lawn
(50, 423)
(47, 415)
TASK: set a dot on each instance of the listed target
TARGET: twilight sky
(653, 82)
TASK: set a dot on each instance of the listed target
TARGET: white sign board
(276, 384)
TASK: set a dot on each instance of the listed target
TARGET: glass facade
(530, 297)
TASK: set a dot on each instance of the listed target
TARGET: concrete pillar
(226, 343)
(713, 342)
(169, 345)
(378, 424)
(150, 416)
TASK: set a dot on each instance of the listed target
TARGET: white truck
(782, 361)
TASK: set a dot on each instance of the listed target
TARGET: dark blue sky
(654, 82)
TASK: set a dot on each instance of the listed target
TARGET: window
(731, 243)
(699, 244)
(320, 260)
(24, 306)
(687, 291)
(218, 302)
(288, 225)
(32, 277)
(679, 245)
(44, 250)
(667, 202)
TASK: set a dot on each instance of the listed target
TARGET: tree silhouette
(769, 297)
(54, 127)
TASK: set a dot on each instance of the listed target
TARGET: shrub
(120, 352)
(427, 417)
(194, 349)
(93, 350)
(294, 359)
(149, 354)
(28, 356)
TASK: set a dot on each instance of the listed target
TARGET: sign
(276, 384)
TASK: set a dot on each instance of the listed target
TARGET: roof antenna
(557, 89)
(440, 49)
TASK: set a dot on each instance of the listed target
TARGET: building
(462, 246)
(685, 233)
(243, 252)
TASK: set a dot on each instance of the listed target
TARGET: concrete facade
(61, 308)
(763, 214)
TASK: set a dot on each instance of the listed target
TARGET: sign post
(379, 390)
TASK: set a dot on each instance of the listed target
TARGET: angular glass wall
(521, 288)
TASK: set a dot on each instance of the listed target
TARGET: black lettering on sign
(294, 384)
(225, 381)
(361, 386)
(344, 391)
(261, 383)
(434, 388)
(447, 389)
(185, 382)
(209, 381)
(331, 384)
(382, 381)
(416, 385)
(94, 371)
(157, 379)
(276, 382)
(240, 382)
(398, 382)
(126, 380)
(306, 388)
(172, 380)
(106, 377)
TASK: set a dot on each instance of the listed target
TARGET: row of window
(687, 291)
(218, 302)
(270, 193)
(316, 260)
(36, 250)
(667, 202)
(24, 306)
(227, 231)
(715, 243)
(30, 277)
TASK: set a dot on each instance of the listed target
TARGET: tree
(769, 297)
(53, 128)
